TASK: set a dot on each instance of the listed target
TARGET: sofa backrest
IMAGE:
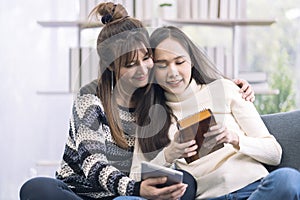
(285, 127)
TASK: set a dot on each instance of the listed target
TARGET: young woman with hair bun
(98, 151)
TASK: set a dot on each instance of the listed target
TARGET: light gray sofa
(285, 127)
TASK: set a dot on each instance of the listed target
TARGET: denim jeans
(47, 189)
(129, 198)
(281, 184)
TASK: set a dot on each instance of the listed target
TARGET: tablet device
(150, 170)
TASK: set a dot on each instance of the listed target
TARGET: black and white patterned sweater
(93, 166)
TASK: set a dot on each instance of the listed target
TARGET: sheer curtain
(33, 59)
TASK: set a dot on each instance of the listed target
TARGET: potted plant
(167, 10)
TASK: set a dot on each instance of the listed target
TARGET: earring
(112, 82)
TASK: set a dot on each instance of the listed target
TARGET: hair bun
(106, 18)
(108, 12)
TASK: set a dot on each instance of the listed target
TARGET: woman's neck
(123, 98)
(188, 92)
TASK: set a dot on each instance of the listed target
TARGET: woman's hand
(219, 134)
(246, 89)
(149, 189)
(177, 150)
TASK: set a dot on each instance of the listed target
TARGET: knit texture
(227, 169)
(93, 165)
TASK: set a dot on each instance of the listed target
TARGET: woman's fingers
(215, 130)
(246, 89)
(172, 192)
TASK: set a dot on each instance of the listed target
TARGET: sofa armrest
(285, 127)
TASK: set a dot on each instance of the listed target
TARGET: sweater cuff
(160, 159)
(136, 189)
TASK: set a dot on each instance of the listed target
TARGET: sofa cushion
(285, 127)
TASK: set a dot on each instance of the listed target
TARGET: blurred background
(42, 65)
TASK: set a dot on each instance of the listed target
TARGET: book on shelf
(83, 10)
(89, 65)
(203, 9)
(193, 127)
(213, 8)
(232, 9)
(184, 9)
(139, 13)
(195, 9)
(229, 65)
(143, 9)
(129, 5)
(209, 51)
(74, 69)
(219, 58)
(147, 10)
(83, 68)
(223, 9)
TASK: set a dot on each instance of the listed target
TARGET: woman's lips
(140, 78)
(174, 83)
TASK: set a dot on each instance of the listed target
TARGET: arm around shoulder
(256, 141)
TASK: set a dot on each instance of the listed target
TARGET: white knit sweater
(227, 169)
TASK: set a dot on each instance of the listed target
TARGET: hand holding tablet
(150, 170)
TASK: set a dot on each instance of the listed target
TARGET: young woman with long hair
(185, 83)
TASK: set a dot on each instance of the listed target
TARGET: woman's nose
(144, 67)
(173, 71)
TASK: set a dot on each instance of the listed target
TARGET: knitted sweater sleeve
(257, 142)
(90, 133)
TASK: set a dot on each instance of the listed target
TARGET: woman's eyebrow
(164, 60)
(135, 58)
(160, 61)
(144, 51)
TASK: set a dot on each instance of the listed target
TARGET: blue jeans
(129, 198)
(47, 189)
(281, 184)
(44, 188)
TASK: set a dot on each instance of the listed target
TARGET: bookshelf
(261, 87)
(219, 13)
(83, 61)
(212, 13)
(77, 55)
(220, 22)
(80, 25)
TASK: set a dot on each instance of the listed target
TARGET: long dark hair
(117, 45)
(203, 72)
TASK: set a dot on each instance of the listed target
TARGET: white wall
(33, 127)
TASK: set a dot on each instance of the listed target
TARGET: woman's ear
(192, 64)
(110, 68)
